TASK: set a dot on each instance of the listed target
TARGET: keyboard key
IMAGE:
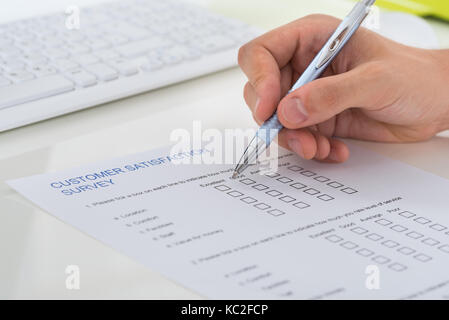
(129, 31)
(34, 58)
(55, 53)
(139, 48)
(43, 70)
(4, 82)
(106, 55)
(76, 49)
(127, 67)
(64, 64)
(214, 43)
(81, 77)
(152, 64)
(13, 65)
(103, 72)
(86, 59)
(19, 75)
(33, 90)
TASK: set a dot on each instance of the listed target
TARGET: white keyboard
(121, 49)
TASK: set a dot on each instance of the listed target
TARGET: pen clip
(331, 48)
(338, 39)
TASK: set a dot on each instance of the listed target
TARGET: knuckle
(241, 54)
(244, 52)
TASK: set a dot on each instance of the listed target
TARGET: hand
(376, 89)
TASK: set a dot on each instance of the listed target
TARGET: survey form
(369, 228)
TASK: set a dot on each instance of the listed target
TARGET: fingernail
(293, 111)
(296, 147)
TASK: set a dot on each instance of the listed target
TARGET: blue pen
(270, 129)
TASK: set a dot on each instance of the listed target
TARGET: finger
(322, 99)
(251, 97)
(302, 142)
(323, 145)
(339, 152)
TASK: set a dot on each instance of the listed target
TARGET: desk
(35, 248)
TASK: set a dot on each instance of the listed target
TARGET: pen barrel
(270, 129)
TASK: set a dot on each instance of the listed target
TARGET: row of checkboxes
(391, 244)
(322, 179)
(364, 252)
(423, 221)
(413, 234)
(257, 204)
(296, 185)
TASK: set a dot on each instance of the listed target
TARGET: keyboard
(48, 68)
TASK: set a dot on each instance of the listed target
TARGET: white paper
(375, 228)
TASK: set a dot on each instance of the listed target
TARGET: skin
(376, 89)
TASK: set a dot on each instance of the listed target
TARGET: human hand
(376, 89)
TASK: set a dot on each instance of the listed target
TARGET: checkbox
(308, 173)
(397, 267)
(422, 257)
(349, 245)
(414, 235)
(444, 248)
(298, 185)
(348, 190)
(407, 214)
(406, 250)
(295, 168)
(374, 237)
(398, 228)
(272, 174)
(321, 179)
(383, 222)
(325, 197)
(422, 220)
(311, 191)
(222, 188)
(262, 206)
(273, 193)
(301, 205)
(430, 242)
(276, 212)
(248, 200)
(390, 243)
(260, 187)
(365, 252)
(235, 194)
(359, 230)
(334, 238)
(284, 179)
(335, 184)
(437, 227)
(287, 199)
(381, 259)
(247, 181)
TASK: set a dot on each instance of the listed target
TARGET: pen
(270, 128)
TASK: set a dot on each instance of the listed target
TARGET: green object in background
(436, 8)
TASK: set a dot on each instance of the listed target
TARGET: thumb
(326, 97)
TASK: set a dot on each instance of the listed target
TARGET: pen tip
(234, 175)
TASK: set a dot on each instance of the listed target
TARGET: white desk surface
(35, 248)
